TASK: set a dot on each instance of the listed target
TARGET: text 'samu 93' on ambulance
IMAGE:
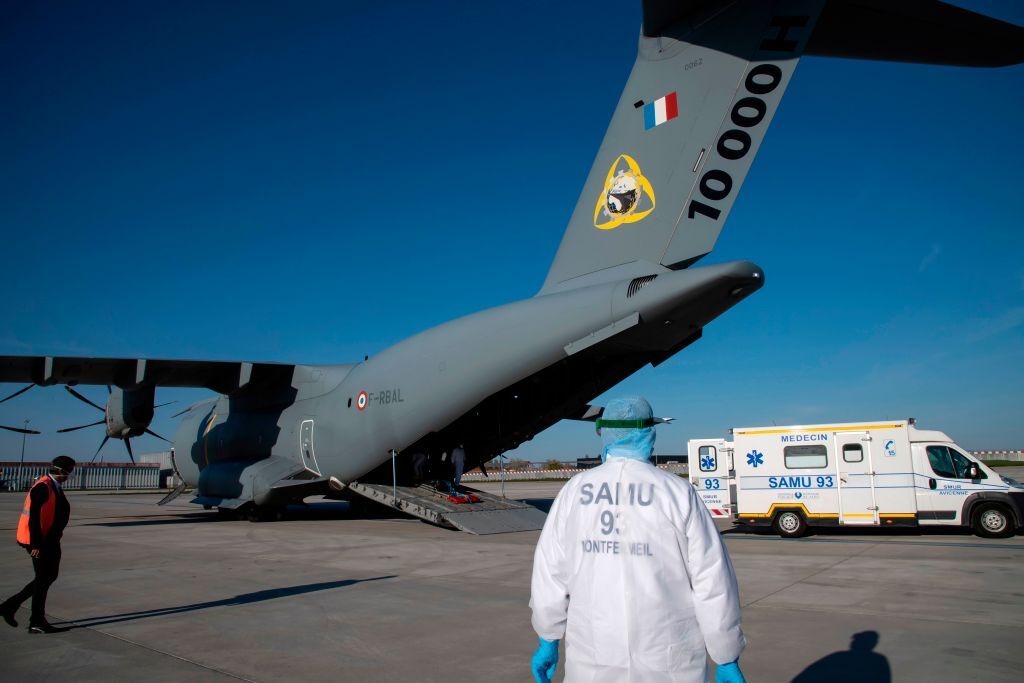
(858, 474)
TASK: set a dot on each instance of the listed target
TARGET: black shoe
(45, 628)
(7, 613)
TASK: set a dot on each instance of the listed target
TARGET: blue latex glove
(729, 673)
(545, 661)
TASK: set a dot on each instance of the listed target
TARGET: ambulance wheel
(992, 521)
(790, 524)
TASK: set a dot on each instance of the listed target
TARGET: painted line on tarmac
(882, 542)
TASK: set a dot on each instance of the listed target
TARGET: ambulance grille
(639, 283)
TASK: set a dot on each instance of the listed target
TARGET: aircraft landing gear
(264, 513)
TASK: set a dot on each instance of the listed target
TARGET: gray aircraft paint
(617, 297)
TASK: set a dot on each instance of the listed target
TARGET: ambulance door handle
(932, 484)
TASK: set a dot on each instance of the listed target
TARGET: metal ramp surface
(492, 515)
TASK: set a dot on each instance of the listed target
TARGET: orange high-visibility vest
(46, 513)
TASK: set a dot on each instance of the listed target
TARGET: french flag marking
(660, 110)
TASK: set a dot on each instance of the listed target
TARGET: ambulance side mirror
(972, 472)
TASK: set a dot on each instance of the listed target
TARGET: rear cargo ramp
(492, 515)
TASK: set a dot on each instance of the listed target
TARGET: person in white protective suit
(632, 572)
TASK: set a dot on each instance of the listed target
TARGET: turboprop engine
(127, 414)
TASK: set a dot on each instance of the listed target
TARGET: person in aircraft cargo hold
(631, 571)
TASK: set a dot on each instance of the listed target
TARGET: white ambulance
(866, 474)
(710, 469)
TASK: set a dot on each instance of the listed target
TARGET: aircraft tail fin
(707, 80)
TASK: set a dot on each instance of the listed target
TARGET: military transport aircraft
(623, 291)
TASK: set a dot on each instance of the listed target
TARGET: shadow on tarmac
(859, 664)
(542, 504)
(840, 531)
(891, 532)
(160, 520)
(322, 510)
(243, 599)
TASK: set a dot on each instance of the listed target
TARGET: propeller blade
(161, 405)
(181, 412)
(19, 430)
(71, 429)
(152, 433)
(106, 437)
(128, 445)
(83, 398)
(18, 392)
(173, 494)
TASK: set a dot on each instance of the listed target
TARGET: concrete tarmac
(174, 593)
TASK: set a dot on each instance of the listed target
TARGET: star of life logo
(754, 459)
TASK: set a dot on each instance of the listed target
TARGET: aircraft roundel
(361, 401)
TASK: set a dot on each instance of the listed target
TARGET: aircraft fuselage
(344, 421)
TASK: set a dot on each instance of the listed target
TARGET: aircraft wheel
(790, 524)
(992, 521)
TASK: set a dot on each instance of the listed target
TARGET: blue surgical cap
(627, 429)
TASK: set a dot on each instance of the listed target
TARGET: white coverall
(632, 572)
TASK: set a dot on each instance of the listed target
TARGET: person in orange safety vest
(46, 512)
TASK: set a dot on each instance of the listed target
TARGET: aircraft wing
(224, 377)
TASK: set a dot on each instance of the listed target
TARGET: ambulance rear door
(709, 462)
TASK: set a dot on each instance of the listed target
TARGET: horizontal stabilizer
(921, 31)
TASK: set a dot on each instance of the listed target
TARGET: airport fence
(87, 477)
(541, 475)
(1012, 456)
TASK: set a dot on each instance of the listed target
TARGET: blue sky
(311, 182)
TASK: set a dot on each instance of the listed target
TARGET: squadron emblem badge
(627, 196)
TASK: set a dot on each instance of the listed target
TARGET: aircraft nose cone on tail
(672, 308)
(725, 284)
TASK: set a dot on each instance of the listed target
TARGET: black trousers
(46, 568)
